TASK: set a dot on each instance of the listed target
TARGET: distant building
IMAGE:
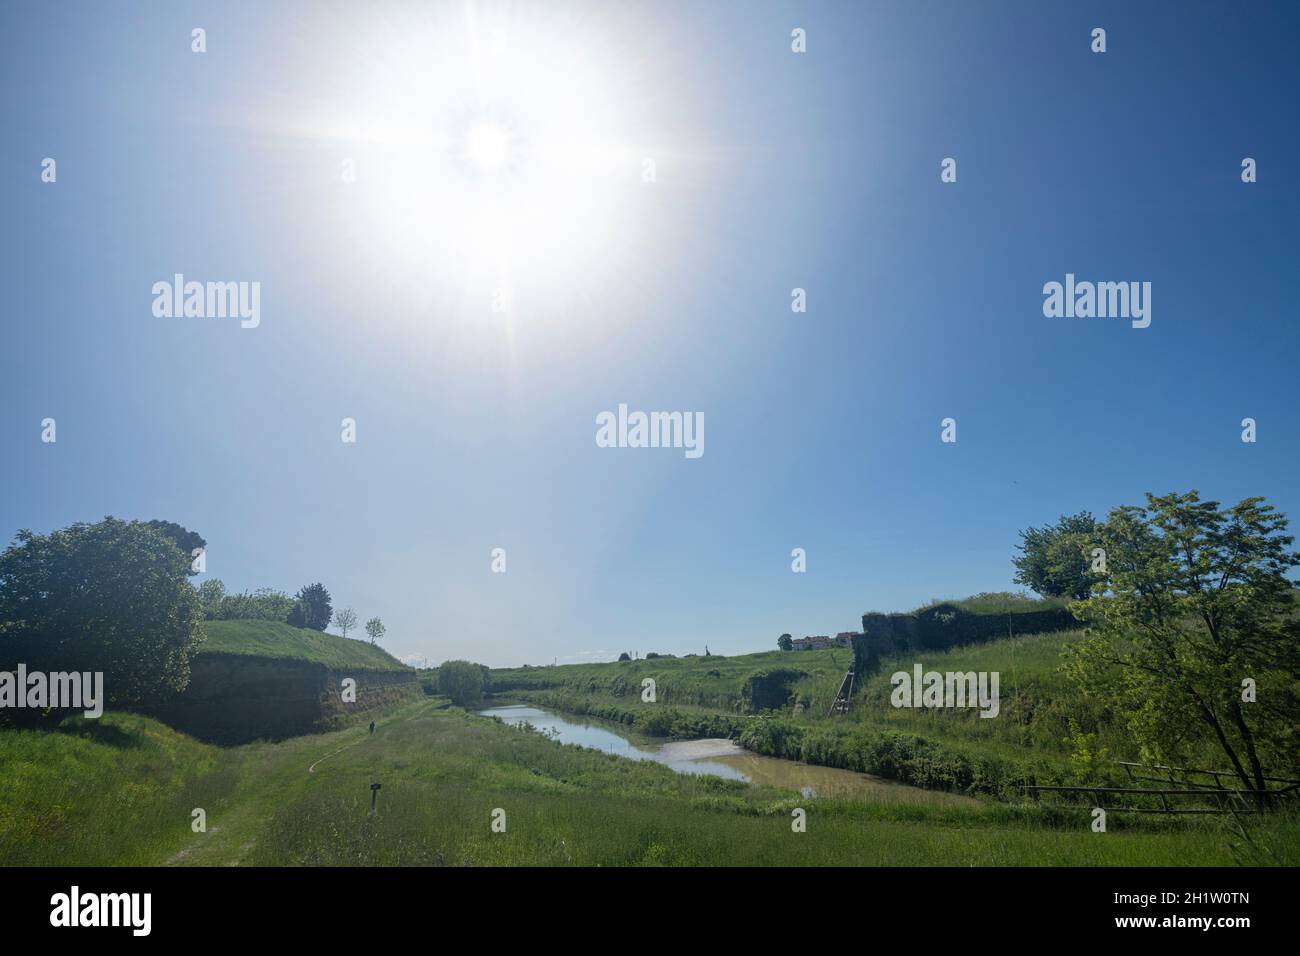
(821, 642)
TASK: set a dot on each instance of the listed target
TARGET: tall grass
(121, 792)
(117, 790)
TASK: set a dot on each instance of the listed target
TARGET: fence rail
(1225, 799)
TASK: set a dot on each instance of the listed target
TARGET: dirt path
(312, 768)
(254, 803)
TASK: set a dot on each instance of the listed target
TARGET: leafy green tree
(785, 642)
(1055, 560)
(345, 620)
(212, 593)
(313, 609)
(462, 681)
(625, 656)
(113, 596)
(1195, 626)
(186, 540)
(375, 630)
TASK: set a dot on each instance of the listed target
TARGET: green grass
(713, 682)
(1028, 668)
(998, 602)
(1032, 740)
(276, 640)
(112, 791)
(121, 790)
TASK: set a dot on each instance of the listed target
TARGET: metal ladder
(844, 695)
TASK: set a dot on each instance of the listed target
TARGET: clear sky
(771, 170)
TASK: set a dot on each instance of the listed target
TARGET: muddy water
(721, 758)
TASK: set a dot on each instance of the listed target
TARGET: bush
(904, 757)
(463, 682)
(264, 604)
(769, 689)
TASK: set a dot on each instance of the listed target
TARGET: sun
(496, 149)
(487, 146)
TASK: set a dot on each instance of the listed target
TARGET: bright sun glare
(494, 149)
(487, 146)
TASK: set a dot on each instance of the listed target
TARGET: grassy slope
(99, 792)
(121, 790)
(272, 639)
(1033, 726)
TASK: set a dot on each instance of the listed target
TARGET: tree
(1055, 560)
(462, 681)
(186, 540)
(313, 609)
(785, 642)
(625, 656)
(1196, 626)
(212, 593)
(113, 596)
(375, 629)
(345, 620)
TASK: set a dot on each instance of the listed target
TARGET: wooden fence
(1184, 787)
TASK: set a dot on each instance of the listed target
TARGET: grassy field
(274, 640)
(714, 682)
(121, 791)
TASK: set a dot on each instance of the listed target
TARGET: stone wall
(946, 625)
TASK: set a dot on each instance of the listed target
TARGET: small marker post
(374, 795)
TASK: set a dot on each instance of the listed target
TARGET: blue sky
(774, 170)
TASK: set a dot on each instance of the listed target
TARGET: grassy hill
(252, 679)
(113, 791)
(271, 639)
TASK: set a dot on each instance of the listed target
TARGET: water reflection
(720, 758)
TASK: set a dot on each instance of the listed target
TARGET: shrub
(463, 682)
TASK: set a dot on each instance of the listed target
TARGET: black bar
(332, 905)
